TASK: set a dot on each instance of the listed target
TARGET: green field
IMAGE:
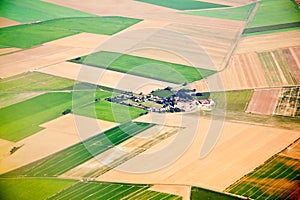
(31, 188)
(61, 162)
(235, 100)
(29, 35)
(21, 120)
(276, 179)
(236, 13)
(145, 67)
(35, 81)
(113, 191)
(183, 4)
(201, 193)
(274, 12)
(33, 10)
(163, 93)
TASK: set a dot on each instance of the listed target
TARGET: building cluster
(183, 100)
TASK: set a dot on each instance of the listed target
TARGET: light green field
(184, 4)
(35, 81)
(31, 188)
(236, 13)
(149, 68)
(32, 10)
(29, 35)
(273, 12)
(163, 93)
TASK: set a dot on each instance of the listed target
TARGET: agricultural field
(241, 13)
(275, 179)
(184, 5)
(33, 10)
(46, 188)
(235, 100)
(288, 102)
(145, 67)
(200, 193)
(61, 162)
(163, 93)
(273, 16)
(32, 188)
(29, 35)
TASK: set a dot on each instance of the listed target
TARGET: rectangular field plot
(200, 193)
(29, 35)
(61, 162)
(289, 102)
(276, 179)
(183, 4)
(32, 188)
(34, 81)
(145, 67)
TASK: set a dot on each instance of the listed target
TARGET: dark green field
(29, 35)
(149, 68)
(163, 93)
(200, 193)
(236, 13)
(32, 10)
(61, 162)
(276, 179)
(184, 4)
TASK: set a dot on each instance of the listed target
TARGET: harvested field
(277, 178)
(62, 161)
(121, 153)
(36, 58)
(105, 77)
(289, 102)
(8, 50)
(264, 101)
(213, 171)
(4, 22)
(268, 42)
(5, 147)
(293, 151)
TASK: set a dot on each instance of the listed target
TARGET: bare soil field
(50, 53)
(268, 42)
(235, 155)
(181, 190)
(263, 101)
(104, 77)
(292, 151)
(230, 2)
(57, 135)
(8, 50)
(5, 147)
(4, 22)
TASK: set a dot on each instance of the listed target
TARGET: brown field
(104, 77)
(5, 147)
(230, 2)
(268, 42)
(49, 53)
(57, 135)
(263, 101)
(8, 50)
(4, 22)
(292, 151)
(235, 155)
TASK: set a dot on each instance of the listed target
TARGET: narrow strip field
(145, 67)
(61, 162)
(110, 191)
(276, 179)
